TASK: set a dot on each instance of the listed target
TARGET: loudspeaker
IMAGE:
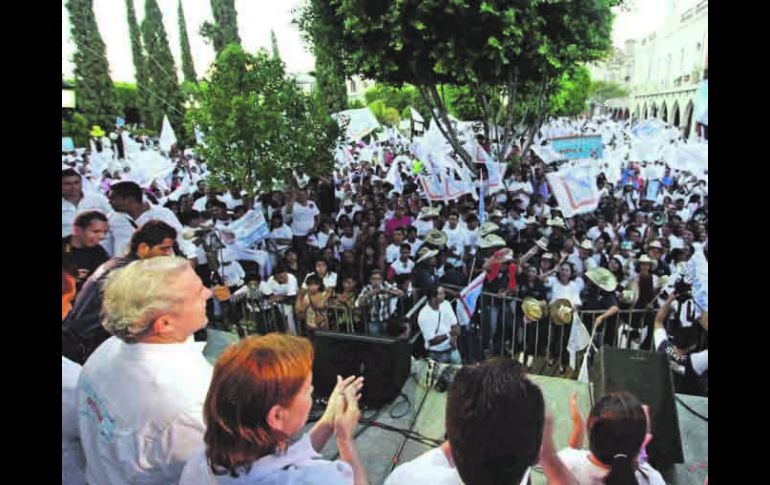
(647, 375)
(384, 362)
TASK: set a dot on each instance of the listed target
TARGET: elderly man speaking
(141, 393)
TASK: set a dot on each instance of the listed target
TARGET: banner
(466, 302)
(574, 147)
(575, 188)
(361, 122)
(249, 229)
(67, 144)
(653, 187)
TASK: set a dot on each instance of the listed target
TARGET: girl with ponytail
(617, 432)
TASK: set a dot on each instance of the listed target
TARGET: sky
(255, 20)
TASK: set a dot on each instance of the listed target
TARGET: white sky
(255, 19)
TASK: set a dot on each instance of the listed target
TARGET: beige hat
(426, 212)
(542, 243)
(655, 245)
(487, 228)
(561, 312)
(436, 238)
(547, 256)
(648, 260)
(425, 253)
(497, 213)
(533, 309)
(557, 222)
(586, 244)
(491, 241)
(603, 278)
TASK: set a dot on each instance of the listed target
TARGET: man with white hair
(141, 393)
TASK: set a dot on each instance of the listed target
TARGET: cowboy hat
(557, 222)
(504, 255)
(435, 237)
(603, 278)
(655, 245)
(561, 312)
(426, 212)
(586, 244)
(648, 260)
(491, 241)
(497, 213)
(547, 256)
(97, 131)
(533, 309)
(487, 228)
(542, 243)
(425, 253)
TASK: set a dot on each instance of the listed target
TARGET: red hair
(250, 378)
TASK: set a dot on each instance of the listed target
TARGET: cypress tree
(224, 30)
(165, 96)
(188, 68)
(274, 44)
(93, 85)
(140, 64)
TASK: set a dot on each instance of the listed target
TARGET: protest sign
(575, 147)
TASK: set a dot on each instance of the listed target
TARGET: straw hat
(655, 245)
(427, 212)
(491, 241)
(547, 256)
(561, 312)
(425, 253)
(586, 244)
(487, 228)
(603, 278)
(436, 238)
(542, 243)
(648, 260)
(557, 222)
(533, 309)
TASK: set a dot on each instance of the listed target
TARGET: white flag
(575, 188)
(167, 136)
(579, 338)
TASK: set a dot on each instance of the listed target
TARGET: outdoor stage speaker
(384, 362)
(647, 375)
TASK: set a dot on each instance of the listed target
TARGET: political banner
(575, 188)
(249, 229)
(576, 147)
(361, 122)
(67, 144)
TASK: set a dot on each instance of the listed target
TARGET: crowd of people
(146, 263)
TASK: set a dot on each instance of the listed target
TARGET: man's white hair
(136, 295)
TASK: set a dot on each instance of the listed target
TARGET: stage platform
(378, 447)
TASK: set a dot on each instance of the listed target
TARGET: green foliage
(498, 48)
(140, 62)
(462, 103)
(188, 68)
(94, 90)
(356, 104)
(165, 95)
(274, 44)
(127, 97)
(601, 91)
(571, 97)
(259, 125)
(78, 128)
(320, 29)
(224, 30)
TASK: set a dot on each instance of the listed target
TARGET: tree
(77, 128)
(274, 45)
(93, 87)
(188, 68)
(140, 63)
(166, 97)
(570, 99)
(127, 96)
(224, 30)
(504, 50)
(601, 91)
(259, 125)
(320, 29)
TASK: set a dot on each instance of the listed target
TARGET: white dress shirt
(437, 322)
(140, 410)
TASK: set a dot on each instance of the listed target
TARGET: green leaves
(261, 125)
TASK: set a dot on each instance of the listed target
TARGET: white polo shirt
(140, 410)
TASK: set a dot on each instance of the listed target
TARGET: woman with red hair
(259, 398)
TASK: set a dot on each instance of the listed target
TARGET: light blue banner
(574, 147)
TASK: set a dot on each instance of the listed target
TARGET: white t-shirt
(423, 227)
(330, 280)
(347, 243)
(432, 467)
(273, 287)
(595, 232)
(392, 253)
(437, 322)
(300, 465)
(140, 410)
(402, 268)
(73, 462)
(456, 242)
(303, 218)
(90, 201)
(586, 473)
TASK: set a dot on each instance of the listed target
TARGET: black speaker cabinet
(647, 375)
(384, 362)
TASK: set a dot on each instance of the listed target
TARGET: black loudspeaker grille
(384, 363)
(647, 375)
